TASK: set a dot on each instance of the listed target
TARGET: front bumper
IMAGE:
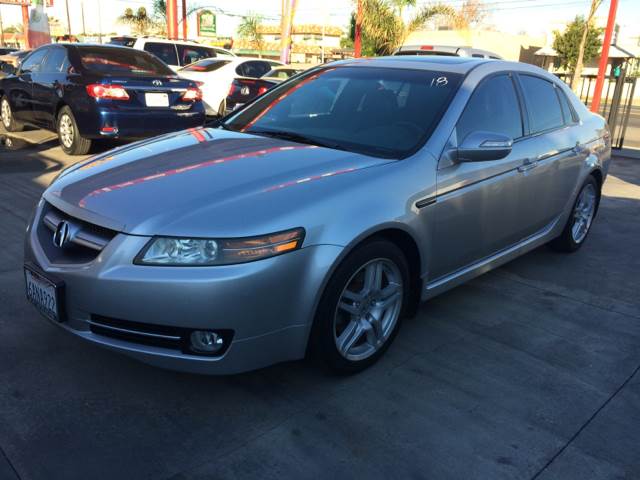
(135, 124)
(269, 304)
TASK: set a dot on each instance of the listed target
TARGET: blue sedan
(91, 92)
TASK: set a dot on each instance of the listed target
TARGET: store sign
(32, 3)
(206, 24)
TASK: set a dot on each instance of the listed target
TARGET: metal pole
(25, 26)
(172, 19)
(84, 28)
(604, 56)
(99, 22)
(1, 29)
(68, 18)
(357, 44)
(184, 19)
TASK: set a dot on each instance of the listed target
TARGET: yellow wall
(504, 44)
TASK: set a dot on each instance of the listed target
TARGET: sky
(513, 16)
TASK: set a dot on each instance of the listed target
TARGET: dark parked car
(5, 50)
(244, 90)
(92, 92)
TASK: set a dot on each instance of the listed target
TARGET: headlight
(205, 252)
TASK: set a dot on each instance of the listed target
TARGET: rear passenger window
(567, 113)
(253, 68)
(542, 103)
(164, 51)
(55, 61)
(493, 107)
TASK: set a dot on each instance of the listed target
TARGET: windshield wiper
(297, 137)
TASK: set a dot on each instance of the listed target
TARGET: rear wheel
(68, 134)
(579, 223)
(9, 123)
(360, 312)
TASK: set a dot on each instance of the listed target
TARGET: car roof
(449, 64)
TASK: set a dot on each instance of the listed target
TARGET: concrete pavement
(530, 371)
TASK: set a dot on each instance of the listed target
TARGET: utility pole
(357, 44)
(68, 18)
(172, 19)
(604, 56)
(84, 29)
(1, 29)
(184, 19)
(99, 22)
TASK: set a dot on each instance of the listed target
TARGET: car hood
(201, 182)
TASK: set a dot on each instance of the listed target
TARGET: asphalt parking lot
(529, 372)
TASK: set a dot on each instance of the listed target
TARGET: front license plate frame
(39, 283)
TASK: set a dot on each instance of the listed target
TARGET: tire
(579, 223)
(9, 123)
(355, 318)
(68, 134)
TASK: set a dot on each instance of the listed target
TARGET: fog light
(203, 341)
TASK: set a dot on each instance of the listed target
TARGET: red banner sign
(47, 3)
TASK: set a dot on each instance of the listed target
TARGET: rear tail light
(192, 95)
(232, 89)
(261, 90)
(109, 92)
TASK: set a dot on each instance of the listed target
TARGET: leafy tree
(249, 29)
(139, 21)
(385, 29)
(470, 14)
(567, 43)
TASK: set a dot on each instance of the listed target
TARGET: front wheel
(579, 223)
(360, 312)
(9, 123)
(69, 136)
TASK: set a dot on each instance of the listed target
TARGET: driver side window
(494, 108)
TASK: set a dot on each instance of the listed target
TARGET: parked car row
(86, 93)
(132, 88)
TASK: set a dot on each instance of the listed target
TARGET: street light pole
(68, 18)
(604, 56)
(357, 44)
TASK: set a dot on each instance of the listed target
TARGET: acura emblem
(157, 83)
(61, 235)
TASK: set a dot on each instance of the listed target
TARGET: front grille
(164, 336)
(86, 240)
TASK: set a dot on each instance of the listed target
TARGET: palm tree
(249, 29)
(139, 21)
(386, 29)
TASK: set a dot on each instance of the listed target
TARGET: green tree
(567, 43)
(139, 21)
(250, 29)
(385, 30)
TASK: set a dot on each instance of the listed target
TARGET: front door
(48, 86)
(480, 205)
(20, 87)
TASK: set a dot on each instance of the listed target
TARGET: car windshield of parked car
(121, 61)
(208, 65)
(381, 112)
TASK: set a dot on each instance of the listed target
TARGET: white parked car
(216, 75)
(175, 53)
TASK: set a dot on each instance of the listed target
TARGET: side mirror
(481, 146)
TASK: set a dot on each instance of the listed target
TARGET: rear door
(480, 207)
(20, 89)
(48, 85)
(555, 156)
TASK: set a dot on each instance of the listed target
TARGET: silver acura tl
(317, 216)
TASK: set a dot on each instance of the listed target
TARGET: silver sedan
(318, 216)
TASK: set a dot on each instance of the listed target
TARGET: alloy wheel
(5, 113)
(583, 213)
(66, 130)
(368, 309)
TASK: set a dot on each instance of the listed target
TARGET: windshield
(121, 61)
(381, 112)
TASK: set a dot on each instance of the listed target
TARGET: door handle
(528, 164)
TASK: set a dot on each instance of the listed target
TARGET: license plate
(156, 99)
(43, 293)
